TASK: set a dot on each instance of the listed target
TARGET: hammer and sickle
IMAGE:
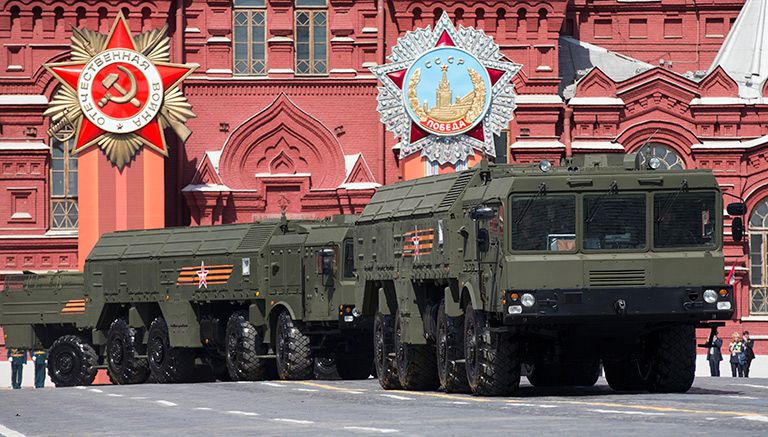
(110, 82)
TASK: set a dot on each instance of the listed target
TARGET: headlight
(357, 312)
(723, 305)
(545, 165)
(654, 163)
(710, 296)
(527, 300)
(514, 309)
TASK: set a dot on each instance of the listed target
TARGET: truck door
(320, 271)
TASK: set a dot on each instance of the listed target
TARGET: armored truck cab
(474, 276)
(249, 300)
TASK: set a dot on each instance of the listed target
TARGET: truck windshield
(684, 219)
(614, 222)
(543, 223)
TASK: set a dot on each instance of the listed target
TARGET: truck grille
(613, 278)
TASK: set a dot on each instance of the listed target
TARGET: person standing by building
(736, 348)
(39, 356)
(18, 358)
(749, 352)
(714, 356)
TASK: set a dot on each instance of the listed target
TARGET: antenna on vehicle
(283, 222)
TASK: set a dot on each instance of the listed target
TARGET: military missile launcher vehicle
(251, 301)
(463, 281)
(476, 277)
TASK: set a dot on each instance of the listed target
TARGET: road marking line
(203, 409)
(400, 398)
(753, 386)
(522, 404)
(96, 390)
(327, 387)
(300, 422)
(8, 432)
(245, 382)
(352, 392)
(242, 413)
(741, 397)
(115, 395)
(271, 384)
(370, 429)
(458, 403)
(166, 403)
(138, 398)
(633, 413)
(756, 418)
(586, 403)
(307, 389)
(80, 387)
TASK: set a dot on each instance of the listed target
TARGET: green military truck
(248, 301)
(478, 276)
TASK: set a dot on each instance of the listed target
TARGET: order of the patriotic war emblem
(119, 92)
(446, 92)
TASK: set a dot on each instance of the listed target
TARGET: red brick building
(286, 105)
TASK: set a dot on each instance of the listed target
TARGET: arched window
(758, 235)
(670, 160)
(250, 30)
(63, 186)
(311, 42)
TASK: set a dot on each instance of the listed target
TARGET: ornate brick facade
(598, 76)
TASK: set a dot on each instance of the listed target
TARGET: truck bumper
(632, 303)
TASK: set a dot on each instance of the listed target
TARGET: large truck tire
(491, 358)
(168, 364)
(294, 354)
(673, 360)
(325, 368)
(624, 374)
(416, 364)
(123, 349)
(450, 353)
(383, 346)
(71, 362)
(244, 343)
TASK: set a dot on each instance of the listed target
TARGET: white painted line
(8, 432)
(166, 403)
(350, 392)
(203, 409)
(272, 384)
(96, 390)
(138, 398)
(633, 413)
(242, 413)
(370, 429)
(753, 386)
(299, 422)
(523, 404)
(742, 397)
(459, 403)
(115, 395)
(245, 382)
(306, 389)
(80, 387)
(400, 398)
(756, 418)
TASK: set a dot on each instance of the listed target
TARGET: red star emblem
(398, 77)
(119, 90)
(415, 240)
(202, 274)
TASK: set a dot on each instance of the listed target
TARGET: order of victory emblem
(119, 92)
(446, 92)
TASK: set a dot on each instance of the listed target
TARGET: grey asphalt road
(714, 406)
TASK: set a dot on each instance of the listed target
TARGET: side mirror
(737, 228)
(737, 208)
(483, 240)
(326, 257)
(483, 213)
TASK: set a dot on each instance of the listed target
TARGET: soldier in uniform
(18, 358)
(39, 356)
